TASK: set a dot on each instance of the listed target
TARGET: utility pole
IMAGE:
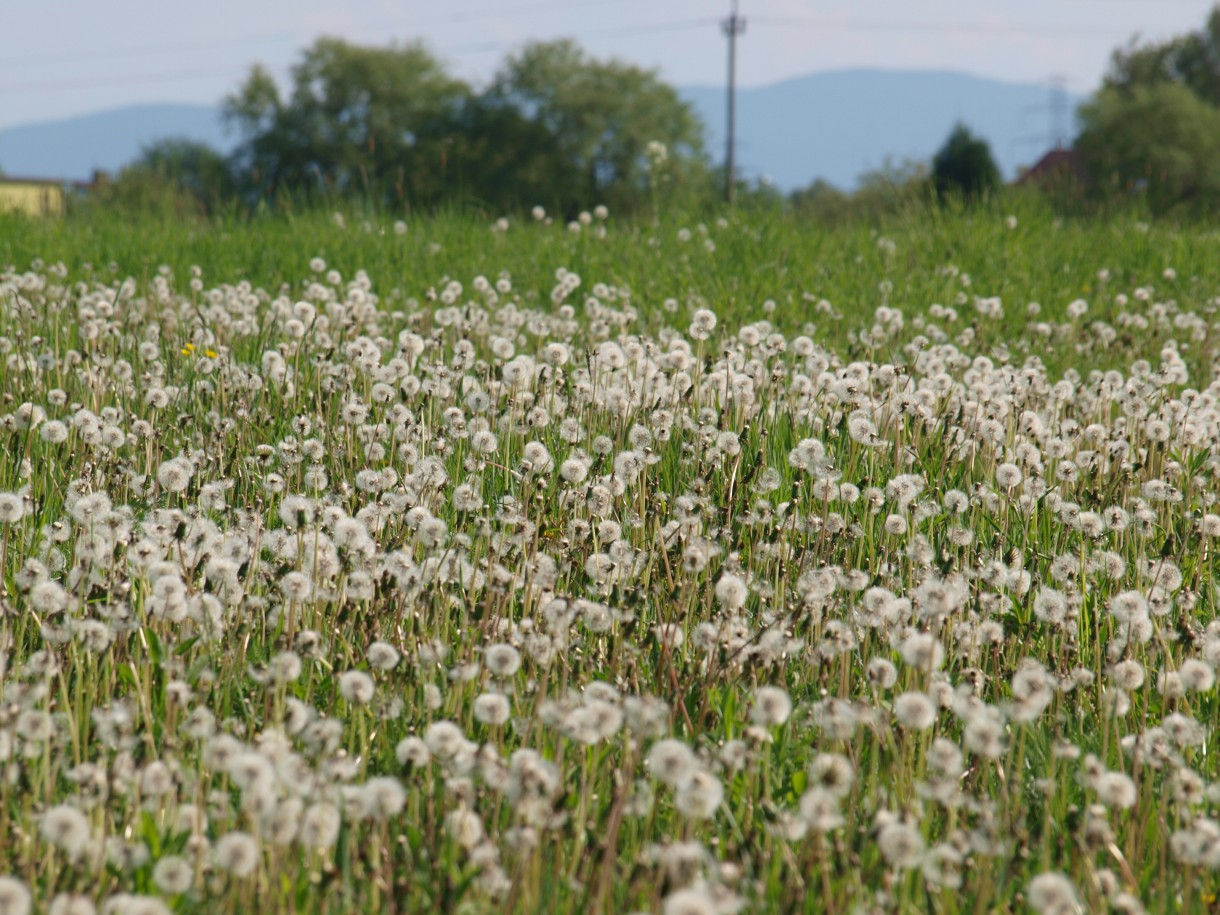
(732, 27)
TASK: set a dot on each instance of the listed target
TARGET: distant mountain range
(839, 124)
(833, 125)
(108, 140)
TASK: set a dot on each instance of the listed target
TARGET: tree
(374, 121)
(503, 161)
(555, 127)
(173, 179)
(1192, 60)
(964, 166)
(195, 168)
(1153, 130)
(578, 129)
(1161, 141)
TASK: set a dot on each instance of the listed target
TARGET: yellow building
(32, 196)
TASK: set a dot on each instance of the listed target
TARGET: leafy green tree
(1161, 141)
(500, 158)
(195, 168)
(576, 130)
(555, 127)
(964, 166)
(358, 120)
(1192, 60)
(172, 179)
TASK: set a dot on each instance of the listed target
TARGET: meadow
(354, 564)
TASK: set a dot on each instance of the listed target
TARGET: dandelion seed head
(69, 904)
(1051, 893)
(238, 853)
(671, 761)
(173, 875)
(502, 660)
(923, 650)
(771, 706)
(491, 709)
(356, 687)
(731, 591)
(12, 507)
(68, 829)
(914, 711)
(901, 844)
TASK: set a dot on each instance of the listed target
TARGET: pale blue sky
(67, 57)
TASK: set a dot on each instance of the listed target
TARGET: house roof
(1056, 163)
(50, 182)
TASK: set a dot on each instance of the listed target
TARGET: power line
(822, 23)
(129, 80)
(677, 25)
(477, 48)
(912, 25)
(501, 12)
(1204, 7)
(134, 50)
(461, 17)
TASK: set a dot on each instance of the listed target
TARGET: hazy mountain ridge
(72, 148)
(838, 124)
(832, 125)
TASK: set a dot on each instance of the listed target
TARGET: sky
(69, 57)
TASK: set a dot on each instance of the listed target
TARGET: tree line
(556, 127)
(1148, 138)
(391, 126)
(1153, 130)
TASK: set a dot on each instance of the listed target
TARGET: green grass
(142, 621)
(757, 258)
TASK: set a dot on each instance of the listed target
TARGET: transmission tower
(1058, 108)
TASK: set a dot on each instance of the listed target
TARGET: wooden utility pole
(733, 26)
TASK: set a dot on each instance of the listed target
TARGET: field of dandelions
(664, 567)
